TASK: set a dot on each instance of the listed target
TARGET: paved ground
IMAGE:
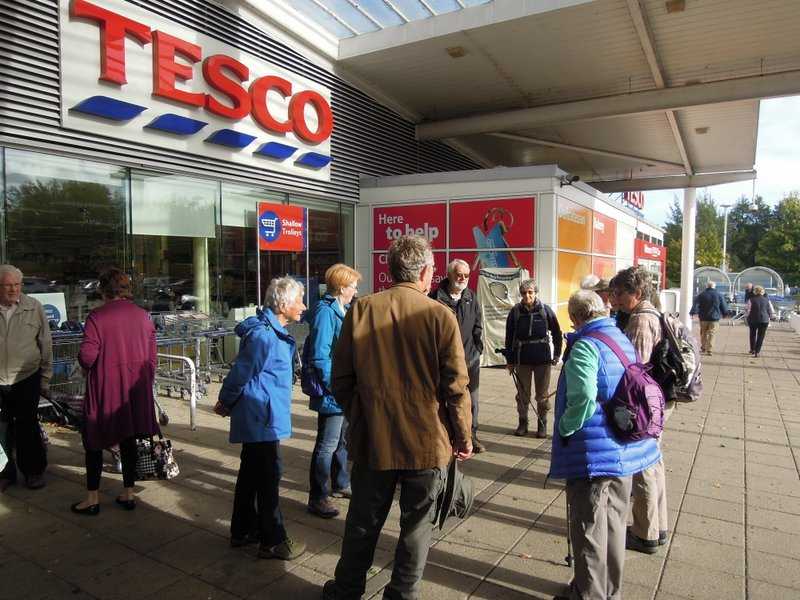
(734, 496)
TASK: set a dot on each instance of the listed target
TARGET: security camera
(569, 179)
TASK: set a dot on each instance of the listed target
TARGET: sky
(777, 160)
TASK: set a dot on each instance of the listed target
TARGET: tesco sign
(129, 73)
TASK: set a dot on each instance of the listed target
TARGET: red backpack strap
(608, 341)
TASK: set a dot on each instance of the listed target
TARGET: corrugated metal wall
(368, 139)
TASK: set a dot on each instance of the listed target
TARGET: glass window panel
(238, 257)
(350, 15)
(380, 11)
(309, 9)
(348, 233)
(174, 242)
(412, 9)
(65, 222)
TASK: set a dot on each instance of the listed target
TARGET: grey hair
(528, 284)
(408, 255)
(10, 270)
(585, 305)
(457, 262)
(282, 291)
(711, 284)
(588, 282)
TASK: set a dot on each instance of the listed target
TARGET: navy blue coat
(709, 305)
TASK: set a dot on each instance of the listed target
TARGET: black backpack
(532, 339)
(675, 361)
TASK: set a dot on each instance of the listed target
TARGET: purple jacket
(119, 355)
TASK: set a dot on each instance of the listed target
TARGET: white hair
(282, 292)
(10, 270)
(589, 282)
(528, 284)
(457, 262)
(711, 284)
(585, 305)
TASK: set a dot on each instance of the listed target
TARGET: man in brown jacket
(400, 376)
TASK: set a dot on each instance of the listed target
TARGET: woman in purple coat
(118, 354)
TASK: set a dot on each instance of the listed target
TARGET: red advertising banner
(604, 234)
(427, 220)
(490, 225)
(650, 251)
(282, 227)
(605, 268)
(382, 280)
(523, 258)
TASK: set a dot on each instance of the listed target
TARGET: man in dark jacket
(454, 294)
(533, 346)
(710, 307)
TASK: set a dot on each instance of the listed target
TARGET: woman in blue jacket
(597, 467)
(257, 394)
(329, 458)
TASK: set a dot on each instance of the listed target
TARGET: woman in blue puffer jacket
(597, 466)
(329, 458)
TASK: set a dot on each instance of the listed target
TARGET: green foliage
(779, 248)
(747, 225)
(708, 238)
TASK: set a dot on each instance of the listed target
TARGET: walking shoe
(541, 427)
(34, 482)
(477, 447)
(662, 537)
(345, 493)
(522, 428)
(288, 549)
(329, 590)
(238, 542)
(90, 511)
(634, 542)
(323, 508)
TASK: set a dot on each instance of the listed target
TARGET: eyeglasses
(461, 275)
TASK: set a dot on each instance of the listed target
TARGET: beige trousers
(539, 375)
(649, 502)
(707, 331)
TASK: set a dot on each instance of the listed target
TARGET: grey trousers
(598, 510)
(373, 492)
(540, 374)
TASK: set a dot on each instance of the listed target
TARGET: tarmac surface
(733, 490)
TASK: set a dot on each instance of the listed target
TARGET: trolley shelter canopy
(627, 94)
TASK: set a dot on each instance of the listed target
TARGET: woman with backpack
(758, 312)
(597, 466)
(329, 458)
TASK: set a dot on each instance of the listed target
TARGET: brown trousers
(539, 375)
(708, 330)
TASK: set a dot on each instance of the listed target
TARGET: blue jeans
(329, 458)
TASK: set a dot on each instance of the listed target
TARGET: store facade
(143, 135)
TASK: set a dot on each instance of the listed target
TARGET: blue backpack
(636, 409)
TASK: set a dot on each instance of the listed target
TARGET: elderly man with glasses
(455, 294)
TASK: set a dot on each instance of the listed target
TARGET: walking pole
(568, 558)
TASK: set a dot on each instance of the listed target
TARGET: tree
(779, 248)
(747, 224)
(708, 237)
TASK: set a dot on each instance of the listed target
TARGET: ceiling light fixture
(674, 6)
(701, 130)
(456, 51)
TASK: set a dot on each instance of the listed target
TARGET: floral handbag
(154, 459)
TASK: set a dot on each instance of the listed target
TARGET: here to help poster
(282, 227)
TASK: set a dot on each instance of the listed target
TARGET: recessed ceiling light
(701, 130)
(674, 6)
(456, 51)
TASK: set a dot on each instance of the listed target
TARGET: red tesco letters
(173, 61)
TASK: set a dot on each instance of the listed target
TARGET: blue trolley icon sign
(269, 226)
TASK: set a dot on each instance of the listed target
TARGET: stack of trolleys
(67, 385)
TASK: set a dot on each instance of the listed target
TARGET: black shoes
(90, 511)
(522, 428)
(35, 482)
(477, 447)
(126, 504)
(323, 508)
(541, 427)
(662, 537)
(238, 542)
(634, 542)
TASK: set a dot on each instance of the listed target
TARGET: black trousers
(373, 492)
(19, 406)
(757, 334)
(474, 398)
(255, 503)
(94, 465)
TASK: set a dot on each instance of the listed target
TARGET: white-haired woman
(257, 393)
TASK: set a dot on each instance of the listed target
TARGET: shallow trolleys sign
(128, 73)
(282, 227)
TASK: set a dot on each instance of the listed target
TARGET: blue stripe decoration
(173, 123)
(276, 150)
(109, 108)
(313, 160)
(231, 138)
